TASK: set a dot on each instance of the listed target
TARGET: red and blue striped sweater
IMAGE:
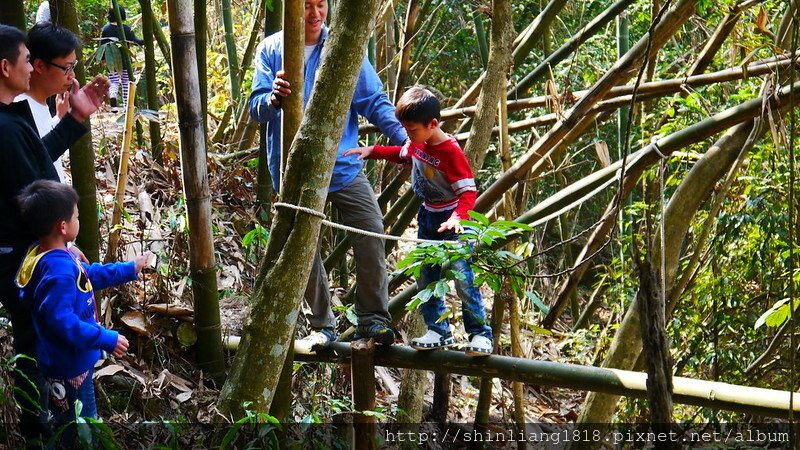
(440, 174)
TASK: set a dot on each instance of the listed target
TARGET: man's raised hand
(84, 101)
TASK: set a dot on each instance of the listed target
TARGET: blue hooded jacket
(57, 289)
(369, 100)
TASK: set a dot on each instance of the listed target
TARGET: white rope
(538, 222)
(350, 229)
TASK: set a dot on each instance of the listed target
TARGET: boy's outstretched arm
(362, 152)
(107, 275)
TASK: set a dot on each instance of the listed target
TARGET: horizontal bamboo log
(687, 391)
(725, 396)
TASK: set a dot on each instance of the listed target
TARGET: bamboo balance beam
(730, 397)
(687, 391)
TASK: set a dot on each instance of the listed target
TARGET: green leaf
(537, 301)
(441, 289)
(480, 218)
(445, 315)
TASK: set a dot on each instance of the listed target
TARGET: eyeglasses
(66, 69)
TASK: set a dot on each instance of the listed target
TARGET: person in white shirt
(43, 13)
(53, 57)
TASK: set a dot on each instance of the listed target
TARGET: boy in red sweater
(441, 176)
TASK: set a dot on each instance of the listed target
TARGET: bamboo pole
(122, 177)
(150, 80)
(81, 152)
(202, 264)
(292, 106)
(724, 396)
(363, 384)
(410, 29)
(158, 33)
(230, 47)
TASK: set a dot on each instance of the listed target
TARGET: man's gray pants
(357, 208)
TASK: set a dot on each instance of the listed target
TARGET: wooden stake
(363, 383)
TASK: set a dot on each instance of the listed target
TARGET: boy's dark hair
(44, 203)
(10, 39)
(113, 17)
(418, 104)
(48, 41)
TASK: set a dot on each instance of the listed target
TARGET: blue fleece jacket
(59, 292)
(369, 100)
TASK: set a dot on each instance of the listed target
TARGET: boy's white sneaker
(431, 341)
(479, 346)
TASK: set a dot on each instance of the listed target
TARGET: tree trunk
(656, 347)
(502, 36)
(150, 79)
(285, 269)
(202, 264)
(81, 153)
(13, 13)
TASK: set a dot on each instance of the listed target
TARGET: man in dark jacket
(25, 158)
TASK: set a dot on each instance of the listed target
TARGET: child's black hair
(45, 203)
(418, 104)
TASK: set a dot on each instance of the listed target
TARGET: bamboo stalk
(725, 396)
(122, 177)
(202, 264)
(363, 383)
(292, 106)
(150, 79)
(230, 47)
(405, 53)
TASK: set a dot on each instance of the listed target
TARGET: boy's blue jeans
(63, 394)
(472, 309)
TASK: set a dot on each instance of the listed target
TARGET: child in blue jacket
(59, 290)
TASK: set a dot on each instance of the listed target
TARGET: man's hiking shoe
(381, 333)
(316, 341)
(431, 341)
(479, 346)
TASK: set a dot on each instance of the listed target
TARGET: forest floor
(157, 379)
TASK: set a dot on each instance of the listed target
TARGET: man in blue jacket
(349, 190)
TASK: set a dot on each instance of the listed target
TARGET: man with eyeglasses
(25, 158)
(53, 57)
